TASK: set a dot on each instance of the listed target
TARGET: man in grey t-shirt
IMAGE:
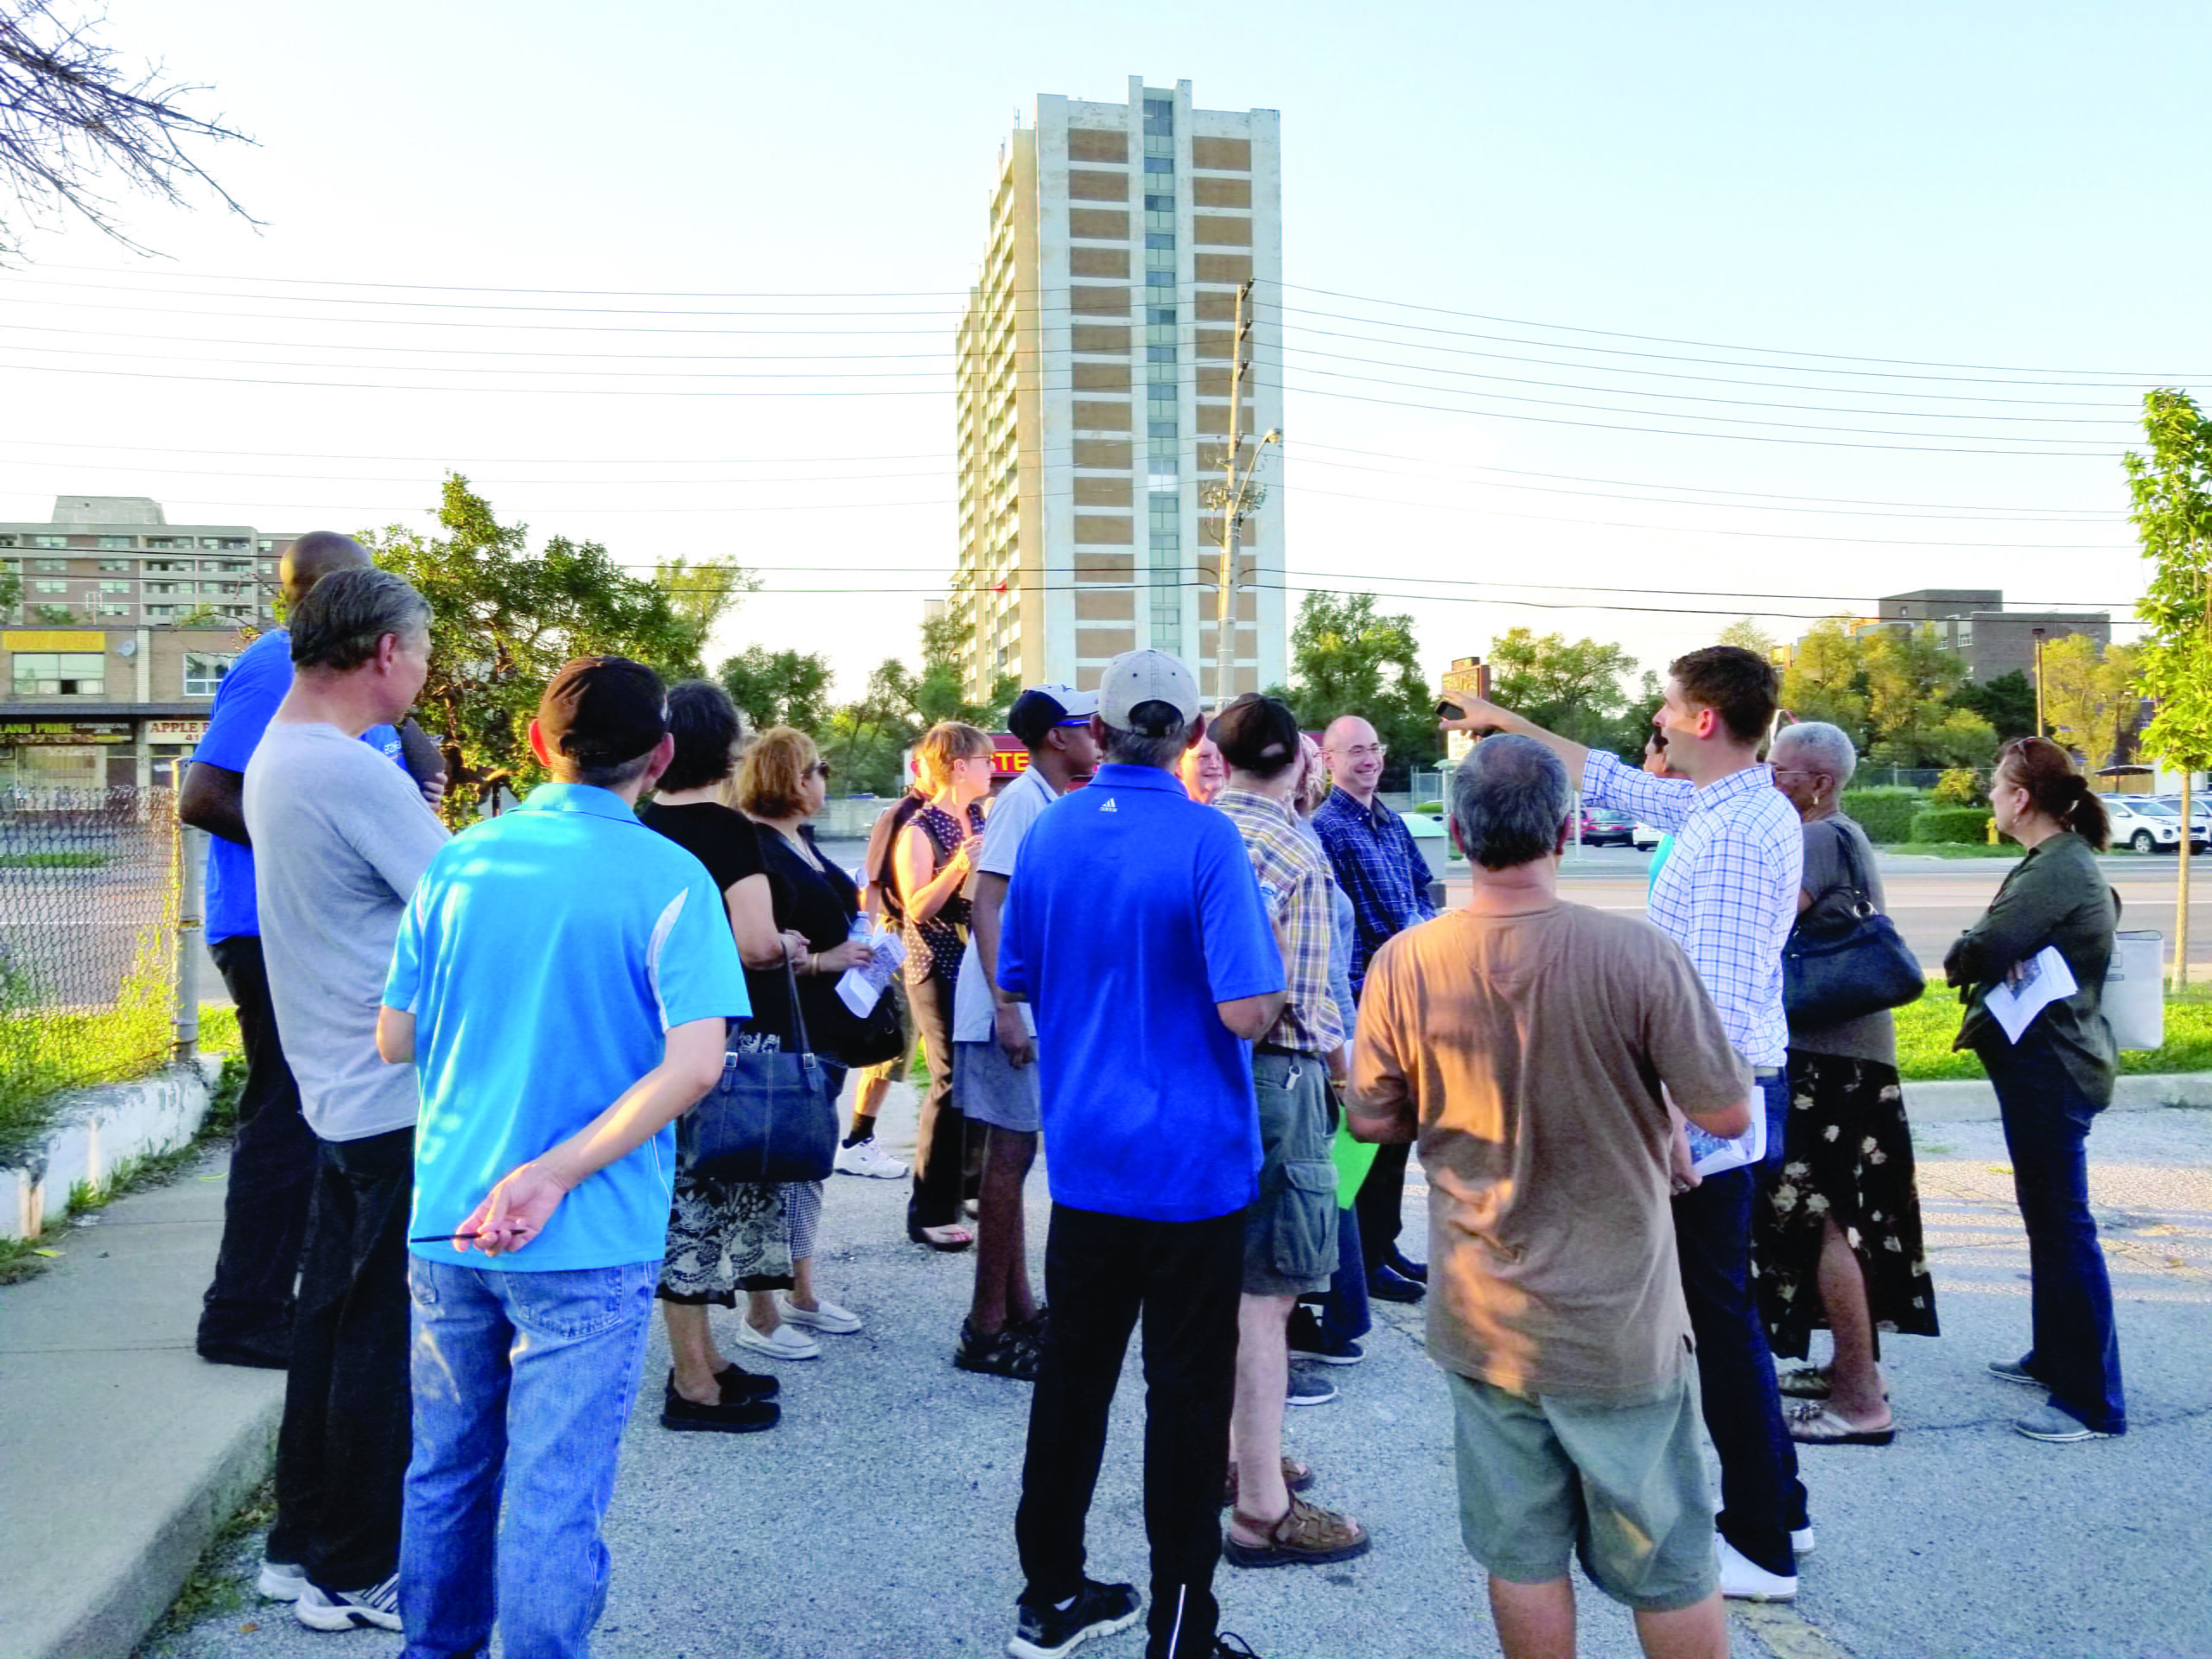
(341, 836)
(993, 1040)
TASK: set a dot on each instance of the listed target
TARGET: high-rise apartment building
(115, 560)
(1095, 361)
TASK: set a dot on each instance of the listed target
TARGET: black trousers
(1380, 1204)
(1100, 1272)
(249, 1305)
(341, 1455)
(943, 1155)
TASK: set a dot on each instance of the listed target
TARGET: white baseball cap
(1136, 678)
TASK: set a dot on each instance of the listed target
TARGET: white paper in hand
(858, 988)
(1710, 1155)
(2033, 986)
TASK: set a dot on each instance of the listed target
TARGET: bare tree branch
(71, 114)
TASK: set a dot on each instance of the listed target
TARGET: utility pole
(2040, 731)
(1234, 496)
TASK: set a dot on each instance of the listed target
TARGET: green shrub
(1884, 811)
(1964, 824)
(1960, 786)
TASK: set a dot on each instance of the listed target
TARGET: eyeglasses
(819, 769)
(1362, 751)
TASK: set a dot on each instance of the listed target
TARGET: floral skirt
(1847, 1156)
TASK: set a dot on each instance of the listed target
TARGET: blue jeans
(1345, 1315)
(2076, 1345)
(522, 1383)
(1762, 1499)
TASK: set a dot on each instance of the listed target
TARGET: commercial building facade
(1095, 363)
(1974, 622)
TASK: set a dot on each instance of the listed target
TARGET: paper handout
(2033, 986)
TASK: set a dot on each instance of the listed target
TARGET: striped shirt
(1728, 892)
(1294, 890)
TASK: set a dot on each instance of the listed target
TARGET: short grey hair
(1825, 749)
(1142, 749)
(337, 625)
(1510, 801)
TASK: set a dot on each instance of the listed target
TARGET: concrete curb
(97, 1130)
(1975, 1100)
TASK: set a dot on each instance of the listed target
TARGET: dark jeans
(1762, 1499)
(1381, 1203)
(341, 1455)
(1345, 1316)
(2076, 1345)
(941, 1150)
(249, 1305)
(1101, 1271)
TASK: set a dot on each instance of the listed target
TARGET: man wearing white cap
(993, 1041)
(1135, 930)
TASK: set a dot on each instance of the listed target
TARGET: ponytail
(2057, 788)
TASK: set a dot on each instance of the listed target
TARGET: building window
(203, 671)
(112, 542)
(1160, 205)
(1154, 167)
(112, 609)
(1158, 118)
(115, 587)
(7, 541)
(50, 587)
(46, 541)
(115, 564)
(60, 674)
(52, 567)
(1160, 430)
(265, 545)
(169, 541)
(1160, 239)
(1160, 278)
(1160, 353)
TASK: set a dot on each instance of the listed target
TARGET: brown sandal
(1304, 1535)
(1296, 1477)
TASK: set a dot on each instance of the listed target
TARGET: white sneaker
(1742, 1580)
(1803, 1541)
(866, 1157)
(280, 1580)
(785, 1342)
(824, 1316)
(348, 1610)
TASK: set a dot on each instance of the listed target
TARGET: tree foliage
(778, 688)
(1896, 693)
(504, 619)
(73, 114)
(863, 739)
(701, 594)
(1347, 659)
(1745, 631)
(2089, 697)
(2007, 702)
(2171, 489)
(11, 590)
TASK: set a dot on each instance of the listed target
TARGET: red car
(1603, 826)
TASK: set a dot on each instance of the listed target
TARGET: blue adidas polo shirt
(546, 954)
(1133, 911)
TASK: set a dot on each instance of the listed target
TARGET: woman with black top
(721, 1236)
(782, 783)
(2053, 1082)
(931, 862)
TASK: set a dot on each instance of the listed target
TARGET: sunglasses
(821, 767)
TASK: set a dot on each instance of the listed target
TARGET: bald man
(246, 1316)
(1386, 878)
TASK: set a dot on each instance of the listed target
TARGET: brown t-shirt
(1529, 1052)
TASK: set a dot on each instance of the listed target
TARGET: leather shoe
(1396, 1262)
(1385, 1283)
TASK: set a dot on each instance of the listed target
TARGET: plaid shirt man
(1380, 870)
(1295, 886)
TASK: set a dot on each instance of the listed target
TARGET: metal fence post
(191, 859)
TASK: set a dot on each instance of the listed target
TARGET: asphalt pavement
(878, 1518)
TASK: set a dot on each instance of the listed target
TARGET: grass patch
(1927, 1029)
(1952, 849)
(49, 1053)
(52, 861)
(216, 1584)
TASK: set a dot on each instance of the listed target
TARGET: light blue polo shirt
(545, 956)
(1132, 912)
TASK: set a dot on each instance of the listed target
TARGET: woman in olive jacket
(2054, 1080)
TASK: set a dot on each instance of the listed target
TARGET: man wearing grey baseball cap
(1135, 930)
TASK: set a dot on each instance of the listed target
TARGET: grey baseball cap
(1136, 678)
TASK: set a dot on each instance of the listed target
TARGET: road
(878, 1518)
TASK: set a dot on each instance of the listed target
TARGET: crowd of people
(1195, 961)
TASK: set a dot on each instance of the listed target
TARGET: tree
(1827, 680)
(778, 688)
(504, 621)
(11, 590)
(1745, 631)
(701, 594)
(52, 616)
(2171, 488)
(865, 738)
(2007, 702)
(2089, 697)
(1347, 660)
(1573, 689)
(1891, 692)
(70, 113)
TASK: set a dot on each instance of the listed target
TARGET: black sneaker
(1048, 1632)
(1223, 1650)
(738, 1383)
(728, 1417)
(1013, 1352)
(1308, 1341)
(320, 1608)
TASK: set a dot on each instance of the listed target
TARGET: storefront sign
(61, 733)
(176, 731)
(54, 640)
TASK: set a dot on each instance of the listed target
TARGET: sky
(1916, 266)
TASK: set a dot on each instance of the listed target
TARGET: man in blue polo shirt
(561, 981)
(246, 1316)
(1133, 926)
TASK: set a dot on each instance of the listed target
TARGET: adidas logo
(1110, 806)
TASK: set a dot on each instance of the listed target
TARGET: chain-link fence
(90, 896)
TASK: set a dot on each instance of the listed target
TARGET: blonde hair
(947, 741)
(772, 779)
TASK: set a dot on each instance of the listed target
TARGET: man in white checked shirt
(1728, 896)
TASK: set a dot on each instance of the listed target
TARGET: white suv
(2143, 824)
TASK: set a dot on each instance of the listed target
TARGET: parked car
(2147, 825)
(1603, 826)
(2200, 815)
(1644, 837)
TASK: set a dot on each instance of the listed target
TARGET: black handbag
(772, 1117)
(1837, 971)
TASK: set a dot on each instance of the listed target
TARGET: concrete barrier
(1975, 1100)
(96, 1131)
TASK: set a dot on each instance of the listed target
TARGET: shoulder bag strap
(798, 1014)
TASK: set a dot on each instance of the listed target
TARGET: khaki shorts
(1622, 1487)
(991, 1088)
(1290, 1231)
